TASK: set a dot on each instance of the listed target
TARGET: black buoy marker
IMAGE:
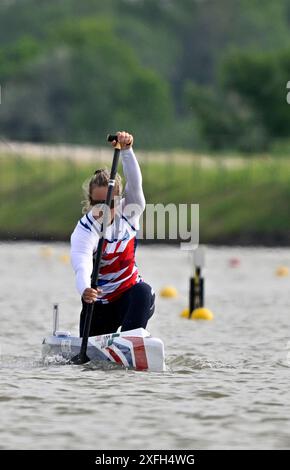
(196, 288)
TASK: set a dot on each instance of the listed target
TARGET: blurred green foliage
(189, 73)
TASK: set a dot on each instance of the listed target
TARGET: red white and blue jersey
(118, 270)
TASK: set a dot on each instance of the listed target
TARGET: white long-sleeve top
(118, 270)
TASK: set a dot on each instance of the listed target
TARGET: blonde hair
(101, 179)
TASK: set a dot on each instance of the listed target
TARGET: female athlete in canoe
(122, 298)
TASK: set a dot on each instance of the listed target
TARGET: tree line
(196, 74)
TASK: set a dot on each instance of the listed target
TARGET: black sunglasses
(102, 201)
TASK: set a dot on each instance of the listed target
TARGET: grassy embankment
(240, 202)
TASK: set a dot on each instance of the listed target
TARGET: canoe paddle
(82, 357)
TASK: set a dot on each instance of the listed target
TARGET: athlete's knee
(142, 289)
(141, 307)
(148, 298)
(146, 294)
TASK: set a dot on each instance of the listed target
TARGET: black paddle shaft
(82, 357)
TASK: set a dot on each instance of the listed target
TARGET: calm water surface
(227, 384)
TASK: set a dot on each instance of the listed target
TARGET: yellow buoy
(202, 314)
(282, 271)
(168, 291)
(64, 258)
(46, 251)
(198, 314)
(185, 313)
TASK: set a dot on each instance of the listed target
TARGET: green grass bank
(242, 201)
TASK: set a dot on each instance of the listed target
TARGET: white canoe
(135, 349)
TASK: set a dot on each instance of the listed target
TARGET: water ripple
(226, 384)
